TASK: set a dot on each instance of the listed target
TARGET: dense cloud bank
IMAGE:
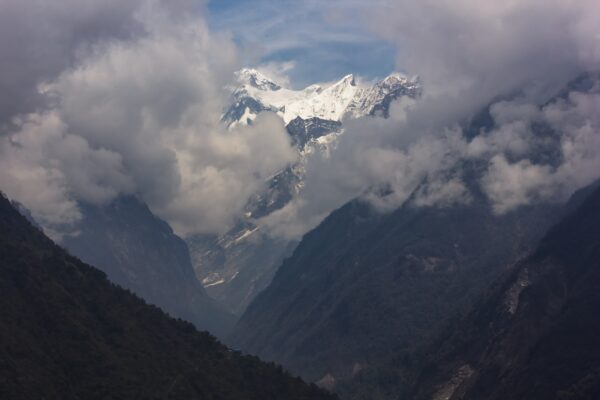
(109, 98)
(510, 56)
(136, 110)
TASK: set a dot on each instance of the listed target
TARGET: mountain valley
(236, 266)
(319, 200)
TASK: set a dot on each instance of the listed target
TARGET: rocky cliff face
(535, 334)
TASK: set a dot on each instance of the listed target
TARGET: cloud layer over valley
(511, 57)
(137, 110)
(117, 98)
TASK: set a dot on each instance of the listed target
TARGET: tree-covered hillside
(66, 332)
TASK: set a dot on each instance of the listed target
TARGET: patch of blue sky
(323, 39)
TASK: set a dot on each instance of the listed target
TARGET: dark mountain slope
(363, 286)
(66, 332)
(364, 290)
(140, 252)
(537, 335)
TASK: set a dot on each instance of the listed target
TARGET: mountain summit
(255, 79)
(331, 101)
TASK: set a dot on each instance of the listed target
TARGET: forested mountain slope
(66, 332)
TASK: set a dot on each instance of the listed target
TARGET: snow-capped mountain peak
(347, 80)
(254, 78)
(315, 88)
(330, 103)
(376, 99)
(257, 92)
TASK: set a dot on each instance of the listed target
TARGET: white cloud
(141, 115)
(488, 49)
(512, 185)
(108, 98)
(39, 39)
(46, 169)
(372, 157)
(576, 161)
(514, 55)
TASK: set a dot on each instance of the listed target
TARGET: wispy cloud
(326, 39)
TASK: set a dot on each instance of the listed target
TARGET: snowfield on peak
(330, 103)
(349, 96)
